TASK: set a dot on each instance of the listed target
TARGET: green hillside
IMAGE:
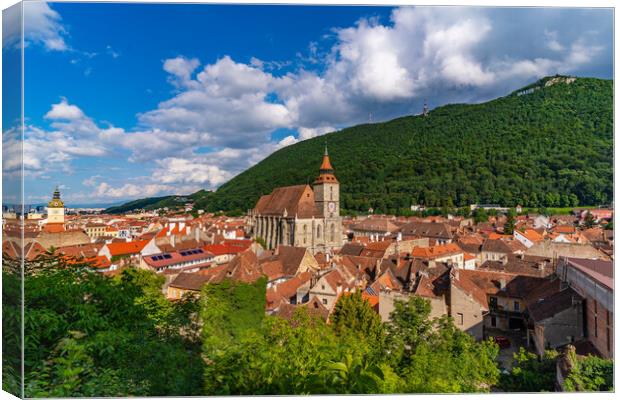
(148, 203)
(551, 145)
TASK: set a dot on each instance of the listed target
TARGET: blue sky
(133, 100)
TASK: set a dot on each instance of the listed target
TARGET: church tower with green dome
(56, 209)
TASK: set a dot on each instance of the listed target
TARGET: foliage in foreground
(90, 335)
(590, 374)
(531, 373)
(355, 354)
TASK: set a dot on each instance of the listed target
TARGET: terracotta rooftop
(295, 200)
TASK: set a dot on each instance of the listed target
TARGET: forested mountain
(548, 144)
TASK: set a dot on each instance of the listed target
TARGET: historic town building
(55, 214)
(301, 215)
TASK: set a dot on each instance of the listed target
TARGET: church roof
(295, 200)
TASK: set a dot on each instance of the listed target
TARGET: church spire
(326, 171)
(56, 202)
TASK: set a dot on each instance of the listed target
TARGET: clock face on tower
(331, 206)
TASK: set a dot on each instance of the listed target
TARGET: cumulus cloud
(195, 170)
(129, 190)
(64, 110)
(308, 133)
(228, 103)
(42, 25)
(181, 69)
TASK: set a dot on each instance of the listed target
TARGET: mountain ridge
(549, 143)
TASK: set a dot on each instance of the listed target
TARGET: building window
(595, 326)
(493, 303)
(517, 306)
(318, 232)
(493, 322)
(333, 233)
(324, 301)
(459, 318)
(331, 193)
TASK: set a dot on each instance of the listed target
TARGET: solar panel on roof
(167, 256)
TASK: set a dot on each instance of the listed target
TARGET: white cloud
(307, 133)
(129, 190)
(552, 41)
(227, 103)
(42, 25)
(92, 181)
(181, 69)
(196, 170)
(64, 110)
(111, 52)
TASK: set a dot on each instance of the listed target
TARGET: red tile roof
(126, 248)
(436, 251)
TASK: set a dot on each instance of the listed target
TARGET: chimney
(454, 274)
(502, 283)
(504, 260)
(171, 227)
(181, 225)
(173, 240)
(197, 234)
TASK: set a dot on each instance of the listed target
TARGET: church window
(333, 233)
(318, 232)
(331, 193)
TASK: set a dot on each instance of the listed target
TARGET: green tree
(509, 227)
(354, 316)
(591, 374)
(436, 356)
(480, 215)
(88, 330)
(588, 221)
(531, 373)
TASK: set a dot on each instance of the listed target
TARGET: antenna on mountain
(370, 118)
(425, 109)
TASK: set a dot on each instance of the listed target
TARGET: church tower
(327, 190)
(56, 209)
(327, 200)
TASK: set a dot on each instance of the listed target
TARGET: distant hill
(547, 144)
(148, 203)
(153, 203)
